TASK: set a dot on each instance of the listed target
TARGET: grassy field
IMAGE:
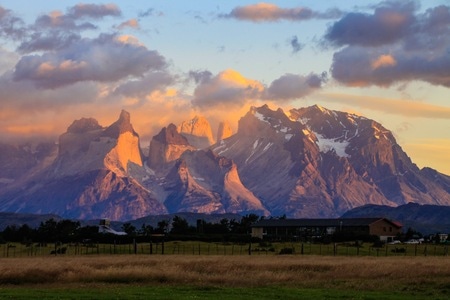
(224, 277)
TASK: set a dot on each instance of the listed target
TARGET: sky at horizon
(166, 61)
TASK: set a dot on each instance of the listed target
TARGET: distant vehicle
(412, 242)
(394, 242)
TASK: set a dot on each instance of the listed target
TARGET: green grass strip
(164, 292)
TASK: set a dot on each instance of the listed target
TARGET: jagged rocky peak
(169, 135)
(329, 123)
(224, 131)
(122, 125)
(265, 122)
(197, 131)
(84, 125)
(167, 146)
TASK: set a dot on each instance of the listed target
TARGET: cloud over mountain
(228, 87)
(231, 88)
(292, 86)
(396, 43)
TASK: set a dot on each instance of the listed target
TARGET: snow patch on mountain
(327, 145)
(259, 116)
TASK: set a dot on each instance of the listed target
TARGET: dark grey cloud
(296, 46)
(62, 22)
(103, 59)
(48, 41)
(11, 26)
(395, 44)
(74, 18)
(267, 12)
(389, 23)
(356, 66)
(293, 86)
(57, 30)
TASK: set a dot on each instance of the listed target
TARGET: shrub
(287, 251)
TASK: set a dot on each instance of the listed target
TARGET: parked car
(413, 241)
(394, 242)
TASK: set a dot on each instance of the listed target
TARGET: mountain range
(310, 162)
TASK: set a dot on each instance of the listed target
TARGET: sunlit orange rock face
(198, 132)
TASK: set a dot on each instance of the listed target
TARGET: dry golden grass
(367, 273)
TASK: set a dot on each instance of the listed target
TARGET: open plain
(227, 277)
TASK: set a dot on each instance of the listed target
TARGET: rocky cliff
(198, 132)
(311, 162)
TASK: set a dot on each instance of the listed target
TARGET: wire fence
(216, 248)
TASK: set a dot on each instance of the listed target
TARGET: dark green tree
(66, 230)
(162, 227)
(129, 229)
(47, 231)
(179, 226)
(146, 230)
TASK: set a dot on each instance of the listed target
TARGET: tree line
(69, 231)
